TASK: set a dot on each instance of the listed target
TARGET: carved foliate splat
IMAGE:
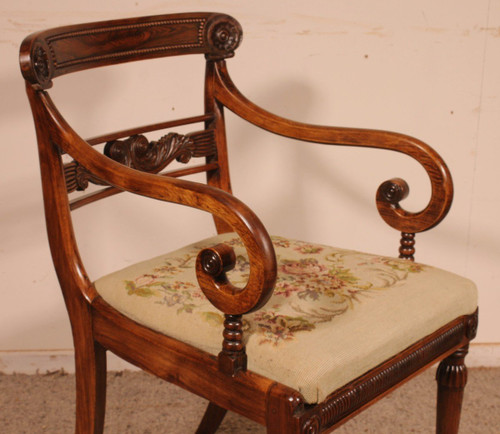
(140, 154)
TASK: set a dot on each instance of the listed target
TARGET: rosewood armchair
(296, 336)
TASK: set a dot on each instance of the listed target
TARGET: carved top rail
(51, 53)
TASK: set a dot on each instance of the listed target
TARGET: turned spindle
(407, 248)
(233, 357)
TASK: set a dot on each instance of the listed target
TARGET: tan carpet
(140, 403)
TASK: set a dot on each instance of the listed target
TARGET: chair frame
(97, 327)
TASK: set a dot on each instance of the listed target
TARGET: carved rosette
(42, 65)
(211, 263)
(223, 36)
(138, 153)
(472, 324)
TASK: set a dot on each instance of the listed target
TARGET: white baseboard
(32, 362)
(483, 355)
(46, 361)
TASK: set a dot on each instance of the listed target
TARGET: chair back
(129, 161)
(49, 54)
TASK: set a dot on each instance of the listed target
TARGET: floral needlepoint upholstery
(334, 313)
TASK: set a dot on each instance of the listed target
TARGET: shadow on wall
(300, 179)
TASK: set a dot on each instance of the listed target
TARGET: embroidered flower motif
(308, 249)
(303, 266)
(275, 327)
(315, 284)
(280, 242)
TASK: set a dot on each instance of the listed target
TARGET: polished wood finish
(402, 220)
(213, 417)
(111, 191)
(407, 248)
(148, 128)
(52, 53)
(131, 162)
(452, 378)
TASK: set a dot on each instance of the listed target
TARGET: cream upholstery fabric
(334, 313)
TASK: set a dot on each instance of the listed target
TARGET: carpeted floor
(140, 403)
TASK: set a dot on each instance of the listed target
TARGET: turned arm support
(391, 192)
(226, 297)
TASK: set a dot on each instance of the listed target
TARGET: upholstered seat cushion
(334, 313)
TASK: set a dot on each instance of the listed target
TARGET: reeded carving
(452, 371)
(78, 177)
(355, 395)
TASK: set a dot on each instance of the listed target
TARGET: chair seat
(334, 314)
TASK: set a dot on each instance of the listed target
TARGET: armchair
(311, 334)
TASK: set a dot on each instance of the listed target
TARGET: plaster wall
(425, 68)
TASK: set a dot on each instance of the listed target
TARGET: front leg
(451, 377)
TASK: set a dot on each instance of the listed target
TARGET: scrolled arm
(390, 193)
(211, 267)
(226, 297)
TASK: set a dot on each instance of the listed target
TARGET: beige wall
(425, 68)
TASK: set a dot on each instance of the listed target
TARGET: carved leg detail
(214, 415)
(451, 377)
(90, 373)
